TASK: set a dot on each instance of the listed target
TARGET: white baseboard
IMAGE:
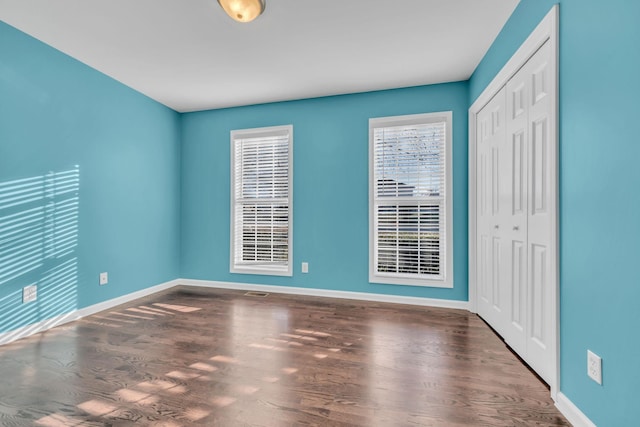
(363, 296)
(61, 319)
(572, 413)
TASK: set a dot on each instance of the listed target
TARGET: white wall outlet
(594, 367)
(104, 278)
(29, 293)
(305, 267)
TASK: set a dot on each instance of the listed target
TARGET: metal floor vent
(256, 294)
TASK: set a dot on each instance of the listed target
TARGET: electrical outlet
(29, 293)
(104, 278)
(594, 367)
(305, 267)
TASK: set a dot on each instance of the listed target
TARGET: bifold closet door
(514, 230)
(516, 150)
(490, 157)
(541, 269)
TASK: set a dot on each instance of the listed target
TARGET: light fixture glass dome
(243, 10)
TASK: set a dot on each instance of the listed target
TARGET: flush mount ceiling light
(243, 10)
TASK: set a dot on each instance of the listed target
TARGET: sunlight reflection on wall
(38, 245)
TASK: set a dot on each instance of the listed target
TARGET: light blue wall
(599, 197)
(330, 186)
(65, 126)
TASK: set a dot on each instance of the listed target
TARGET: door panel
(498, 265)
(495, 179)
(538, 284)
(489, 250)
(518, 286)
(539, 166)
(540, 233)
(519, 178)
(515, 217)
(517, 96)
(483, 270)
(482, 193)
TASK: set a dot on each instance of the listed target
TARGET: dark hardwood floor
(206, 357)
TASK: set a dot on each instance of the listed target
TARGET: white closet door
(515, 224)
(541, 208)
(491, 136)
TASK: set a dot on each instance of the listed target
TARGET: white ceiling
(188, 55)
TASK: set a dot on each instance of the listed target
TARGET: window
(261, 200)
(410, 200)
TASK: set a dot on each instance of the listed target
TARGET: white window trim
(394, 278)
(270, 270)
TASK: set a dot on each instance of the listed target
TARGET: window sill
(262, 270)
(409, 281)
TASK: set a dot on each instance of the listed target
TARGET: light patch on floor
(181, 375)
(279, 341)
(222, 401)
(96, 407)
(291, 336)
(224, 359)
(175, 307)
(309, 332)
(138, 310)
(166, 424)
(133, 316)
(203, 367)
(57, 420)
(156, 310)
(179, 389)
(131, 395)
(149, 400)
(195, 414)
(265, 347)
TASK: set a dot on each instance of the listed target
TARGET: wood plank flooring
(207, 357)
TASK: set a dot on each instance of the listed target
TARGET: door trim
(547, 30)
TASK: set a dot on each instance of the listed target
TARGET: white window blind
(261, 200)
(410, 200)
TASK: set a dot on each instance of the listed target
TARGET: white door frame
(546, 30)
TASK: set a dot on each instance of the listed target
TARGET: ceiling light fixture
(243, 10)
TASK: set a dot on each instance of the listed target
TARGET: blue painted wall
(599, 198)
(330, 186)
(89, 182)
